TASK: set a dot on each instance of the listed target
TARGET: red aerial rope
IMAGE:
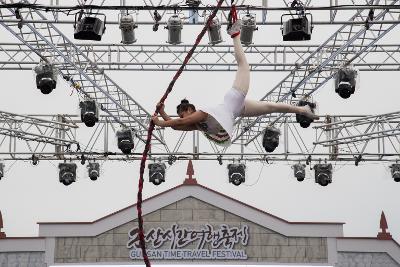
(232, 18)
(150, 132)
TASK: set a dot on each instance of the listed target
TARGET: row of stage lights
(91, 26)
(46, 81)
(236, 172)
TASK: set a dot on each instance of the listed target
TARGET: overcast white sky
(357, 195)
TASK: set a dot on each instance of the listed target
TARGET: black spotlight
(298, 27)
(237, 173)
(46, 77)
(271, 139)
(35, 159)
(89, 27)
(1, 170)
(395, 172)
(345, 82)
(67, 173)
(89, 112)
(299, 171)
(323, 174)
(93, 170)
(157, 173)
(304, 120)
(125, 140)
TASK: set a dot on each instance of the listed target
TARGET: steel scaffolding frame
(51, 45)
(322, 143)
(306, 79)
(57, 130)
(358, 134)
(310, 67)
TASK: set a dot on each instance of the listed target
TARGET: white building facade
(192, 224)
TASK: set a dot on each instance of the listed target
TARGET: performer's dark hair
(184, 106)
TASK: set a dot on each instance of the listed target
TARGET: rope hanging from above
(232, 18)
(151, 129)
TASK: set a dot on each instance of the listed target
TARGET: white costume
(218, 126)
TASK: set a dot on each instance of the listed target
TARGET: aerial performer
(216, 122)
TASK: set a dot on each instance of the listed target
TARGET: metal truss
(154, 57)
(51, 45)
(256, 6)
(312, 73)
(37, 133)
(296, 144)
(358, 134)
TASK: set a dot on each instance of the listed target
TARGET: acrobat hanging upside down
(216, 122)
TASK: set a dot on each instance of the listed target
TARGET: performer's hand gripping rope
(150, 132)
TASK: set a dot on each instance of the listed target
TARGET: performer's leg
(254, 108)
(242, 79)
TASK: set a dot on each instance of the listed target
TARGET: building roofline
(193, 185)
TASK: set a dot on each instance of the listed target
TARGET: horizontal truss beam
(295, 144)
(56, 130)
(152, 57)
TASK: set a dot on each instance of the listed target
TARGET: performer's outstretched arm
(188, 122)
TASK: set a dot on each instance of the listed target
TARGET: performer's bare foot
(309, 112)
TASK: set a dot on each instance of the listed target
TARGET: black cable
(185, 7)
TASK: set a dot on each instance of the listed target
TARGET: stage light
(299, 171)
(247, 29)
(237, 173)
(1, 170)
(299, 27)
(323, 174)
(35, 160)
(174, 26)
(214, 31)
(345, 82)
(271, 138)
(67, 173)
(89, 112)
(395, 172)
(125, 140)
(171, 159)
(157, 173)
(93, 170)
(46, 77)
(89, 27)
(127, 26)
(83, 159)
(304, 120)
